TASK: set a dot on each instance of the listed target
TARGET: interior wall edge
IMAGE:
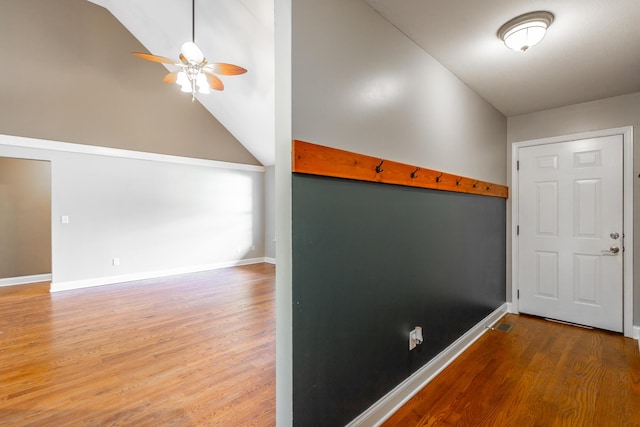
(43, 144)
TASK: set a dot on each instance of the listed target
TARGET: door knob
(612, 251)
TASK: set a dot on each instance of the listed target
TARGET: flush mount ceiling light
(195, 74)
(526, 30)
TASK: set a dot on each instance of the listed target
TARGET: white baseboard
(270, 260)
(111, 280)
(385, 407)
(23, 280)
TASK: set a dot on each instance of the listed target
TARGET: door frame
(627, 214)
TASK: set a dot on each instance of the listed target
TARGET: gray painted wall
(361, 85)
(25, 217)
(69, 76)
(590, 116)
(153, 216)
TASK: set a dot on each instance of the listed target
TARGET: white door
(570, 231)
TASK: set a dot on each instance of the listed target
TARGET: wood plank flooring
(199, 350)
(191, 350)
(538, 374)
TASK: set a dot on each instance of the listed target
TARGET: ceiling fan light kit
(195, 74)
(525, 31)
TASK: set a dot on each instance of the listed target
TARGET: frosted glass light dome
(192, 52)
(526, 30)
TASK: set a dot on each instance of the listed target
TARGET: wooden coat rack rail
(315, 159)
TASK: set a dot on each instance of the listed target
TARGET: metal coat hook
(476, 184)
(489, 186)
(414, 174)
(439, 177)
(379, 167)
(458, 181)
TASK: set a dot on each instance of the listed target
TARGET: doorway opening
(25, 221)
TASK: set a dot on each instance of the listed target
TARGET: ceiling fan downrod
(195, 74)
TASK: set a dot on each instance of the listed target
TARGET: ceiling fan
(195, 74)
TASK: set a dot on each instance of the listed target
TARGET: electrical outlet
(415, 337)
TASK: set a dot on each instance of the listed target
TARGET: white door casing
(570, 218)
(570, 194)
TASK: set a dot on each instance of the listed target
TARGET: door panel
(586, 210)
(547, 275)
(570, 203)
(547, 206)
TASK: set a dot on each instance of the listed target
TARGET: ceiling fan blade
(214, 82)
(225, 69)
(172, 77)
(154, 58)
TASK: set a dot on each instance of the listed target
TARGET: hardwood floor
(191, 350)
(538, 374)
(199, 350)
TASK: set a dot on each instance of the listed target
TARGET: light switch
(64, 219)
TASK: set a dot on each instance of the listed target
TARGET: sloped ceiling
(240, 32)
(591, 51)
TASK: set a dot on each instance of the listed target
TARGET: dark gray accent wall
(370, 262)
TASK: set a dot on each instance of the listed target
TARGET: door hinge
(517, 230)
(517, 165)
(518, 294)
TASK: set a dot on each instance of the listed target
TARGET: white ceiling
(591, 51)
(238, 32)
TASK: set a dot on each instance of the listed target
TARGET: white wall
(607, 113)
(284, 348)
(157, 217)
(270, 212)
(361, 85)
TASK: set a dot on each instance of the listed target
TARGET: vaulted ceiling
(591, 51)
(238, 32)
